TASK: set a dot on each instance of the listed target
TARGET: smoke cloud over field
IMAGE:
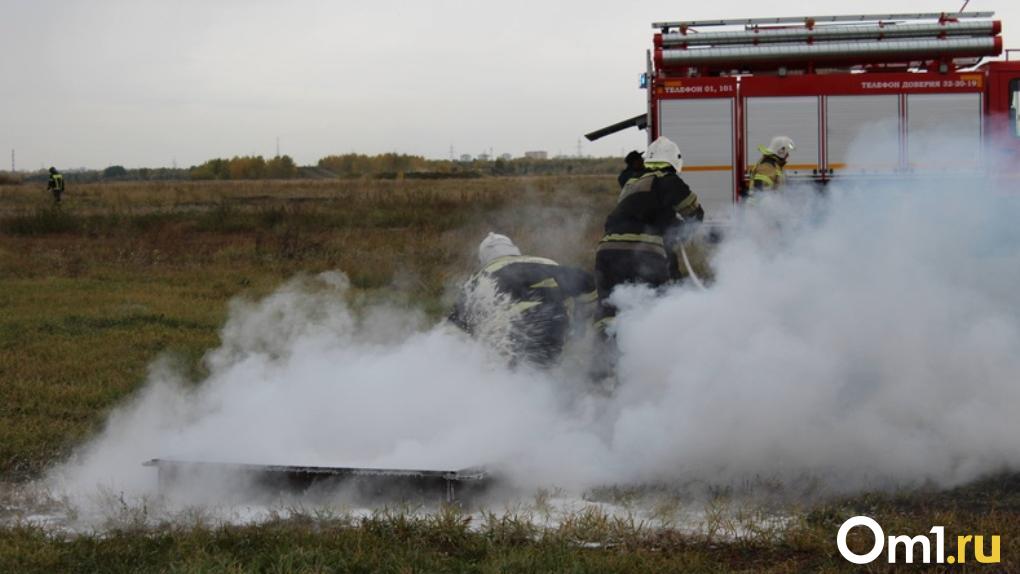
(866, 337)
(872, 338)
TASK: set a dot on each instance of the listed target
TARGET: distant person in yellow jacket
(55, 185)
(767, 174)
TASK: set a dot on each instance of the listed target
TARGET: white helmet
(495, 246)
(663, 149)
(781, 146)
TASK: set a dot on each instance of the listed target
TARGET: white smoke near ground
(300, 379)
(871, 340)
(866, 337)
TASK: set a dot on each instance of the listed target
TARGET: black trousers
(616, 266)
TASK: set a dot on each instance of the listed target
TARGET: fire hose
(690, 269)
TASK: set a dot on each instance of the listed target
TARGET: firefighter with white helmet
(525, 301)
(635, 247)
(768, 174)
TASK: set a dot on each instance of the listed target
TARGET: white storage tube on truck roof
(885, 50)
(833, 33)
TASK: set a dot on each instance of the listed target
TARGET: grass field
(91, 293)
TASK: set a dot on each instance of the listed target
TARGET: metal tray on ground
(368, 484)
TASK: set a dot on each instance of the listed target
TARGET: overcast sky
(146, 83)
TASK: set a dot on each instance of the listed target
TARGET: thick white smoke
(867, 337)
(299, 379)
(873, 337)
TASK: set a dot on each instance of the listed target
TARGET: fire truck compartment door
(796, 117)
(944, 132)
(703, 129)
(862, 134)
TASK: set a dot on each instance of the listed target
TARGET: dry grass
(450, 540)
(93, 292)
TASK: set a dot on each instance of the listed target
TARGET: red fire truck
(862, 96)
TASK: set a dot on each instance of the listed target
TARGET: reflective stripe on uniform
(631, 246)
(634, 237)
(501, 262)
(766, 180)
(657, 164)
(523, 306)
(548, 283)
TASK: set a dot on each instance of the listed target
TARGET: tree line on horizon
(392, 165)
(345, 166)
(246, 167)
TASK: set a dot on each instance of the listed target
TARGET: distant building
(538, 154)
(465, 157)
(506, 157)
(483, 157)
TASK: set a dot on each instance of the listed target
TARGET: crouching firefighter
(767, 174)
(634, 249)
(522, 305)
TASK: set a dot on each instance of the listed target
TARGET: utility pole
(12, 161)
(277, 146)
(578, 147)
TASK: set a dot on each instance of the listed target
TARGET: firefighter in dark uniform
(55, 185)
(767, 174)
(635, 167)
(529, 301)
(650, 209)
